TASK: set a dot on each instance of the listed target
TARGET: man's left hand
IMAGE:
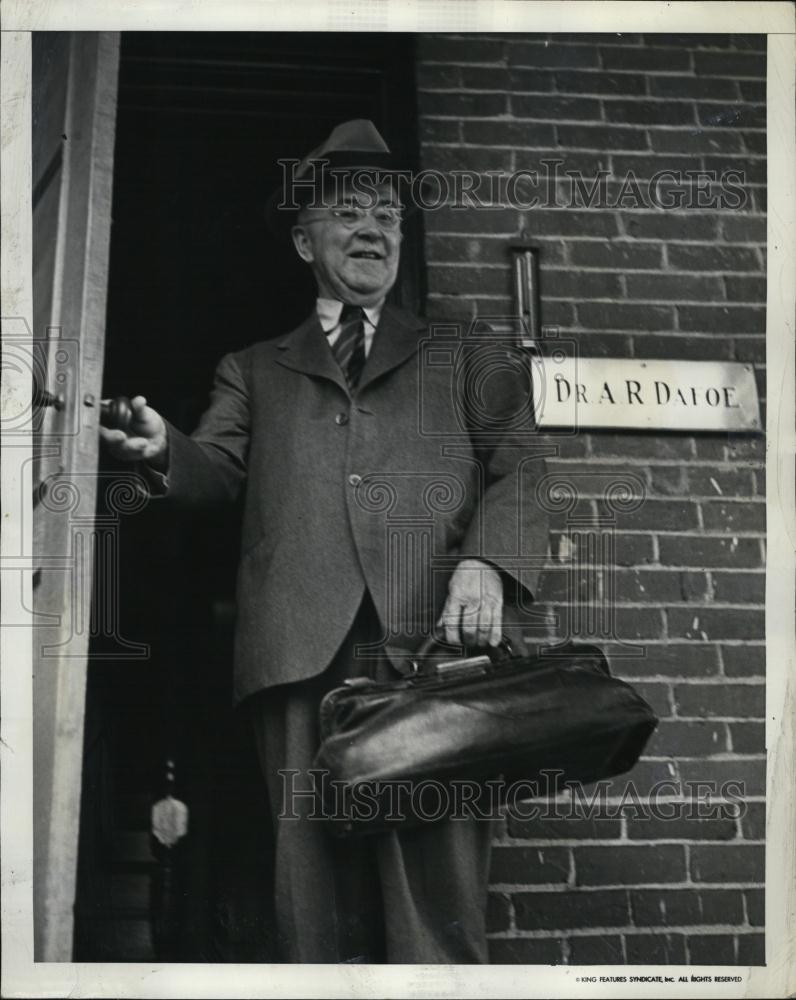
(473, 612)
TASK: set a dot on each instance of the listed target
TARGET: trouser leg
(412, 896)
(434, 884)
(326, 890)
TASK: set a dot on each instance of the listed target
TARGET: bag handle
(496, 654)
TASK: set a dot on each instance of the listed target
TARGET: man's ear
(302, 243)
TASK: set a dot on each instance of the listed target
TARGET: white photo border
(21, 977)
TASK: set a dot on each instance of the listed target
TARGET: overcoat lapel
(307, 350)
(395, 340)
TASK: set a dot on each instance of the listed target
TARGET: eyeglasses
(386, 217)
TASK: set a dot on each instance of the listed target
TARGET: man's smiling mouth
(366, 255)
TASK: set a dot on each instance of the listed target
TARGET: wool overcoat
(432, 459)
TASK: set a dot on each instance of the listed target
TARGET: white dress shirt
(329, 311)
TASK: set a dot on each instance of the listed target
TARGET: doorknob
(116, 413)
(42, 397)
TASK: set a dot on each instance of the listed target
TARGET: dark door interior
(194, 273)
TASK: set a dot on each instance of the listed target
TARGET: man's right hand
(144, 441)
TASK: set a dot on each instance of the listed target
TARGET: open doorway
(202, 120)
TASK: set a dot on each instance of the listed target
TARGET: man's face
(352, 247)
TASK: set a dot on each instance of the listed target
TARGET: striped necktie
(349, 348)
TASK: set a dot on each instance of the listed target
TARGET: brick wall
(633, 281)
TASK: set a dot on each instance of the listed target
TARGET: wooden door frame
(77, 284)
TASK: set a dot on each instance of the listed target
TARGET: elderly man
(374, 508)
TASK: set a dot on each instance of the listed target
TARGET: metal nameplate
(649, 395)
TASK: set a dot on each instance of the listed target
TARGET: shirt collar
(329, 313)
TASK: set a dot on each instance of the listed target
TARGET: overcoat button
(341, 418)
(354, 479)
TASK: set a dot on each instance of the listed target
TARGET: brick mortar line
(663, 601)
(616, 802)
(632, 241)
(675, 641)
(722, 756)
(589, 42)
(660, 601)
(630, 300)
(514, 887)
(637, 127)
(591, 809)
(541, 40)
(549, 266)
(654, 463)
(757, 570)
(635, 300)
(720, 212)
(680, 678)
(705, 680)
(669, 334)
(630, 331)
(651, 75)
(731, 304)
(691, 535)
(722, 465)
(669, 681)
(599, 95)
(504, 66)
(606, 123)
(512, 38)
(472, 268)
(678, 500)
(670, 272)
(505, 118)
(570, 842)
(552, 266)
(696, 533)
(632, 930)
(620, 272)
(502, 36)
(723, 215)
(625, 243)
(565, 799)
(620, 239)
(623, 298)
(509, 93)
(664, 604)
(602, 48)
(562, 149)
(590, 123)
(703, 718)
(672, 497)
